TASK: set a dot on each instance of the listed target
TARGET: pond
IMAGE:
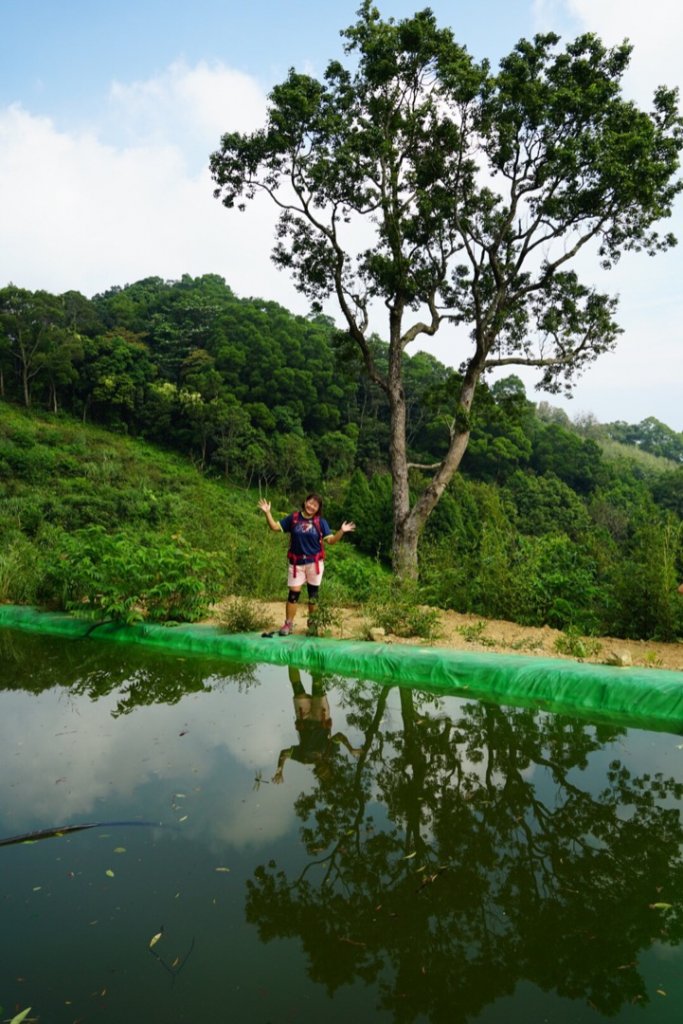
(270, 846)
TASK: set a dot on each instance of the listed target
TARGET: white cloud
(81, 211)
(654, 29)
(69, 762)
(193, 106)
(131, 197)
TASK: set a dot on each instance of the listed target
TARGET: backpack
(294, 558)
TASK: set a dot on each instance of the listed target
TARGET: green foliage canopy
(397, 142)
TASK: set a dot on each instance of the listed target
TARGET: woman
(308, 535)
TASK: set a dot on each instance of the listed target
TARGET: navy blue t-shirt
(304, 537)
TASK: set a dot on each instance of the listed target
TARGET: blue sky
(108, 113)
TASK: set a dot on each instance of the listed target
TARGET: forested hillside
(574, 525)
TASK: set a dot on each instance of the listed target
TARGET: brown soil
(472, 633)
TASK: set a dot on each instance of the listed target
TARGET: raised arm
(265, 508)
(345, 527)
(284, 756)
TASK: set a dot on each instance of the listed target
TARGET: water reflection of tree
(499, 862)
(88, 668)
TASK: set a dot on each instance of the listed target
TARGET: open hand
(264, 505)
(347, 527)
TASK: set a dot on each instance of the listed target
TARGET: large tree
(420, 180)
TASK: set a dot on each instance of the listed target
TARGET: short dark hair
(315, 497)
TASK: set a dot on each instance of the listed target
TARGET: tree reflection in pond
(427, 855)
(499, 861)
(87, 668)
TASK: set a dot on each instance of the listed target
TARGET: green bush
(555, 584)
(572, 643)
(396, 607)
(476, 634)
(326, 613)
(354, 576)
(242, 615)
(126, 577)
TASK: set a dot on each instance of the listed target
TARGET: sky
(108, 114)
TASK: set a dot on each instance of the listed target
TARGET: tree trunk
(25, 385)
(404, 543)
(410, 522)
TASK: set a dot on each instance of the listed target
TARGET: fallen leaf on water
(37, 888)
(184, 818)
(155, 938)
(183, 733)
(175, 962)
(109, 873)
(661, 992)
(179, 796)
(221, 869)
(660, 906)
(411, 855)
(21, 1016)
(119, 849)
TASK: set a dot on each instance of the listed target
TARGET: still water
(276, 848)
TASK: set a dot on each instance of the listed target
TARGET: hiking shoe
(286, 629)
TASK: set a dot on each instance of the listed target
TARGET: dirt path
(472, 633)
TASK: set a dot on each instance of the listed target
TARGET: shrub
(127, 578)
(476, 634)
(355, 577)
(242, 615)
(572, 643)
(395, 606)
(326, 614)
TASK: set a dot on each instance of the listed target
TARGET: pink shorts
(304, 574)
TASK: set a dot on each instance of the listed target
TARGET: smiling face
(311, 507)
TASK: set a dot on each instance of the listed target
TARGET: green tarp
(649, 698)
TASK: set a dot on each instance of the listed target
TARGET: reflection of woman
(312, 721)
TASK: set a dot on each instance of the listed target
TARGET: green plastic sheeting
(649, 698)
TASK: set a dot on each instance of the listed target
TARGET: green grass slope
(103, 524)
